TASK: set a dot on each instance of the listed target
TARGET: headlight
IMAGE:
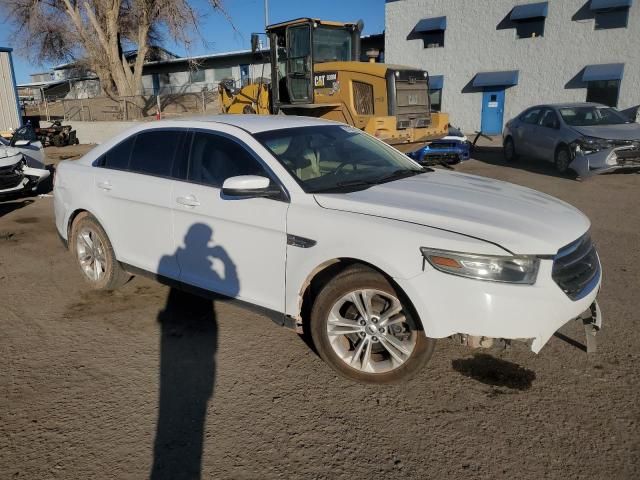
(516, 269)
(589, 145)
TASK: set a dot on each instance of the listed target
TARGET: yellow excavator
(316, 72)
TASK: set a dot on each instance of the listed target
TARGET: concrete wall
(98, 132)
(475, 43)
(9, 113)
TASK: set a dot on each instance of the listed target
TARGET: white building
(490, 59)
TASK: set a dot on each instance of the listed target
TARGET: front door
(492, 111)
(299, 68)
(232, 246)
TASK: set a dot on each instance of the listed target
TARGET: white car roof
(261, 123)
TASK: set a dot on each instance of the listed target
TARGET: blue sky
(248, 17)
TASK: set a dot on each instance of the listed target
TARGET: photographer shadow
(188, 345)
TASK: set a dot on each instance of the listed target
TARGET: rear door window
(154, 152)
(531, 116)
(549, 119)
(118, 157)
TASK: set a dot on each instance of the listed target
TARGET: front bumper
(625, 158)
(449, 305)
(16, 176)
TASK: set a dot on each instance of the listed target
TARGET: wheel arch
(323, 273)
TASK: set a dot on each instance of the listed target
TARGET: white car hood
(519, 219)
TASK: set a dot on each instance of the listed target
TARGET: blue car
(452, 149)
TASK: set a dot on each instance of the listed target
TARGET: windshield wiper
(398, 174)
(346, 186)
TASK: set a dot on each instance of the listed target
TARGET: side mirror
(255, 42)
(22, 143)
(250, 186)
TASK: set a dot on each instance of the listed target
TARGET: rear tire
(562, 159)
(378, 347)
(89, 244)
(509, 147)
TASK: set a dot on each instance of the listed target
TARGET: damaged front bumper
(622, 157)
(16, 175)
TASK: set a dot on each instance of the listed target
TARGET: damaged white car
(331, 232)
(588, 138)
(22, 163)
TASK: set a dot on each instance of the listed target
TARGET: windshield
(331, 45)
(590, 115)
(336, 158)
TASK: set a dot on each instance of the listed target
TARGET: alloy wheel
(370, 332)
(91, 254)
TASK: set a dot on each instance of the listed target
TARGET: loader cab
(299, 44)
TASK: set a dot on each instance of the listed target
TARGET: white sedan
(329, 231)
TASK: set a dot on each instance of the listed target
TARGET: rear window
(154, 151)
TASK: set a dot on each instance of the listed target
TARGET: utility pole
(266, 13)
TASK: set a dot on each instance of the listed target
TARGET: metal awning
(529, 11)
(431, 24)
(436, 82)
(609, 71)
(496, 79)
(607, 4)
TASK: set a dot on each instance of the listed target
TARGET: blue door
(492, 111)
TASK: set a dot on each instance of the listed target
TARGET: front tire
(94, 254)
(365, 329)
(562, 159)
(510, 154)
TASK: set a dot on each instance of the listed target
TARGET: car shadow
(7, 207)
(188, 346)
(495, 371)
(494, 155)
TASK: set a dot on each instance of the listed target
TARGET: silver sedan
(588, 138)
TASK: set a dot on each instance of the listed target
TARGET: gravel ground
(126, 384)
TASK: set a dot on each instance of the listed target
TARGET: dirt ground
(122, 385)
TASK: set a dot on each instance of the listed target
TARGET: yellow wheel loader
(316, 72)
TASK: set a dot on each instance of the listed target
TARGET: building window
(435, 99)
(604, 91)
(615, 18)
(433, 39)
(431, 31)
(220, 74)
(197, 76)
(530, 28)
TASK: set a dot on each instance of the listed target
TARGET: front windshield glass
(336, 158)
(591, 115)
(331, 45)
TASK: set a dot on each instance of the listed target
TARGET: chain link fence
(165, 103)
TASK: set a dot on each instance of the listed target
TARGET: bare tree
(97, 32)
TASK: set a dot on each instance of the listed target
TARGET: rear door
(134, 195)
(525, 132)
(548, 133)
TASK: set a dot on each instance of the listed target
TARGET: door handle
(106, 185)
(188, 201)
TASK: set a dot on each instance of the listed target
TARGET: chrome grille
(576, 268)
(363, 98)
